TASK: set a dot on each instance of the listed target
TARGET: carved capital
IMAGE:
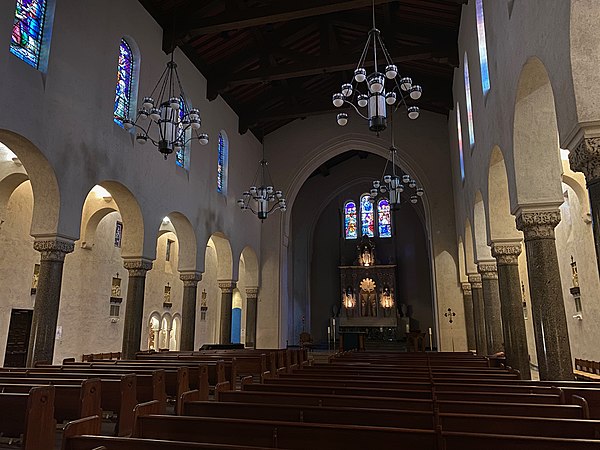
(488, 270)
(53, 249)
(251, 292)
(506, 254)
(190, 279)
(538, 224)
(586, 158)
(475, 280)
(466, 288)
(137, 267)
(227, 286)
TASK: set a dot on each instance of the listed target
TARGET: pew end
(87, 425)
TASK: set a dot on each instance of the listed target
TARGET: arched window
(460, 143)
(384, 218)
(28, 31)
(125, 71)
(483, 57)
(469, 104)
(350, 222)
(366, 216)
(222, 157)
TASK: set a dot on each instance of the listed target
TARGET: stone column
(469, 317)
(478, 313)
(586, 159)
(251, 307)
(227, 287)
(513, 322)
(545, 288)
(47, 298)
(491, 301)
(188, 309)
(134, 309)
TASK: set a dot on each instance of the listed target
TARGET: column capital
(466, 288)
(190, 279)
(475, 281)
(137, 267)
(488, 270)
(252, 292)
(585, 158)
(538, 224)
(506, 253)
(53, 249)
(227, 286)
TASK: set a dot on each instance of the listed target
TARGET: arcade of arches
(105, 246)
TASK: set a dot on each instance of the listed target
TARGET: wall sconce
(575, 291)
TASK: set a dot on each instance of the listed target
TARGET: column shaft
(548, 309)
(47, 299)
(469, 316)
(188, 309)
(513, 322)
(478, 314)
(251, 310)
(134, 309)
(491, 300)
(227, 288)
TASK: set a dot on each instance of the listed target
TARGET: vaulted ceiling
(275, 61)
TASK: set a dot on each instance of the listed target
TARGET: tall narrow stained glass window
(461, 157)
(468, 103)
(124, 82)
(182, 156)
(483, 57)
(384, 218)
(28, 31)
(350, 221)
(366, 216)
(222, 164)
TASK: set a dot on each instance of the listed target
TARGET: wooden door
(18, 338)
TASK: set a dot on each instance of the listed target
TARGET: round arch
(251, 266)
(482, 249)
(501, 223)
(179, 224)
(224, 253)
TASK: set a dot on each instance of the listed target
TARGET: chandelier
(175, 122)
(376, 98)
(392, 184)
(262, 198)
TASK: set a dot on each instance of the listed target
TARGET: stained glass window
(469, 104)
(222, 164)
(350, 222)
(483, 57)
(182, 156)
(460, 143)
(28, 31)
(124, 82)
(366, 216)
(384, 218)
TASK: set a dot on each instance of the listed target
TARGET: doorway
(18, 338)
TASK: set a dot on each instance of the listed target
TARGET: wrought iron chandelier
(392, 184)
(262, 198)
(377, 98)
(176, 122)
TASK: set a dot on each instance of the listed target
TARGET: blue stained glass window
(124, 82)
(182, 156)
(460, 143)
(366, 216)
(222, 164)
(350, 221)
(384, 218)
(469, 104)
(28, 31)
(483, 57)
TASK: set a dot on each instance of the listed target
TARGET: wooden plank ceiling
(275, 61)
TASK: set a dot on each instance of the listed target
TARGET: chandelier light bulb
(127, 124)
(383, 189)
(148, 103)
(203, 139)
(390, 98)
(342, 119)
(346, 89)
(338, 100)
(363, 100)
(413, 112)
(400, 188)
(387, 179)
(155, 114)
(141, 139)
(414, 199)
(376, 184)
(194, 114)
(420, 192)
(143, 114)
(415, 92)
(412, 184)
(195, 124)
(373, 193)
(406, 179)
(360, 75)
(376, 83)
(405, 83)
(174, 103)
(240, 202)
(391, 71)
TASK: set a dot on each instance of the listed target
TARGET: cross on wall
(450, 315)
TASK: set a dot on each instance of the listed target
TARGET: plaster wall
(207, 331)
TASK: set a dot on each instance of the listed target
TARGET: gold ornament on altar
(367, 285)
(348, 299)
(387, 298)
(366, 253)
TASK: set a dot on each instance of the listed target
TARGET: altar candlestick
(407, 328)
(430, 340)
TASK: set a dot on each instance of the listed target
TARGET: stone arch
(8, 184)
(222, 247)
(482, 249)
(46, 193)
(582, 196)
(469, 249)
(188, 244)
(98, 204)
(535, 140)
(251, 267)
(501, 224)
(175, 338)
(462, 267)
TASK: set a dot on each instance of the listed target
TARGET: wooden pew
(31, 416)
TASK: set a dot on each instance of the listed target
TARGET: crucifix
(450, 316)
